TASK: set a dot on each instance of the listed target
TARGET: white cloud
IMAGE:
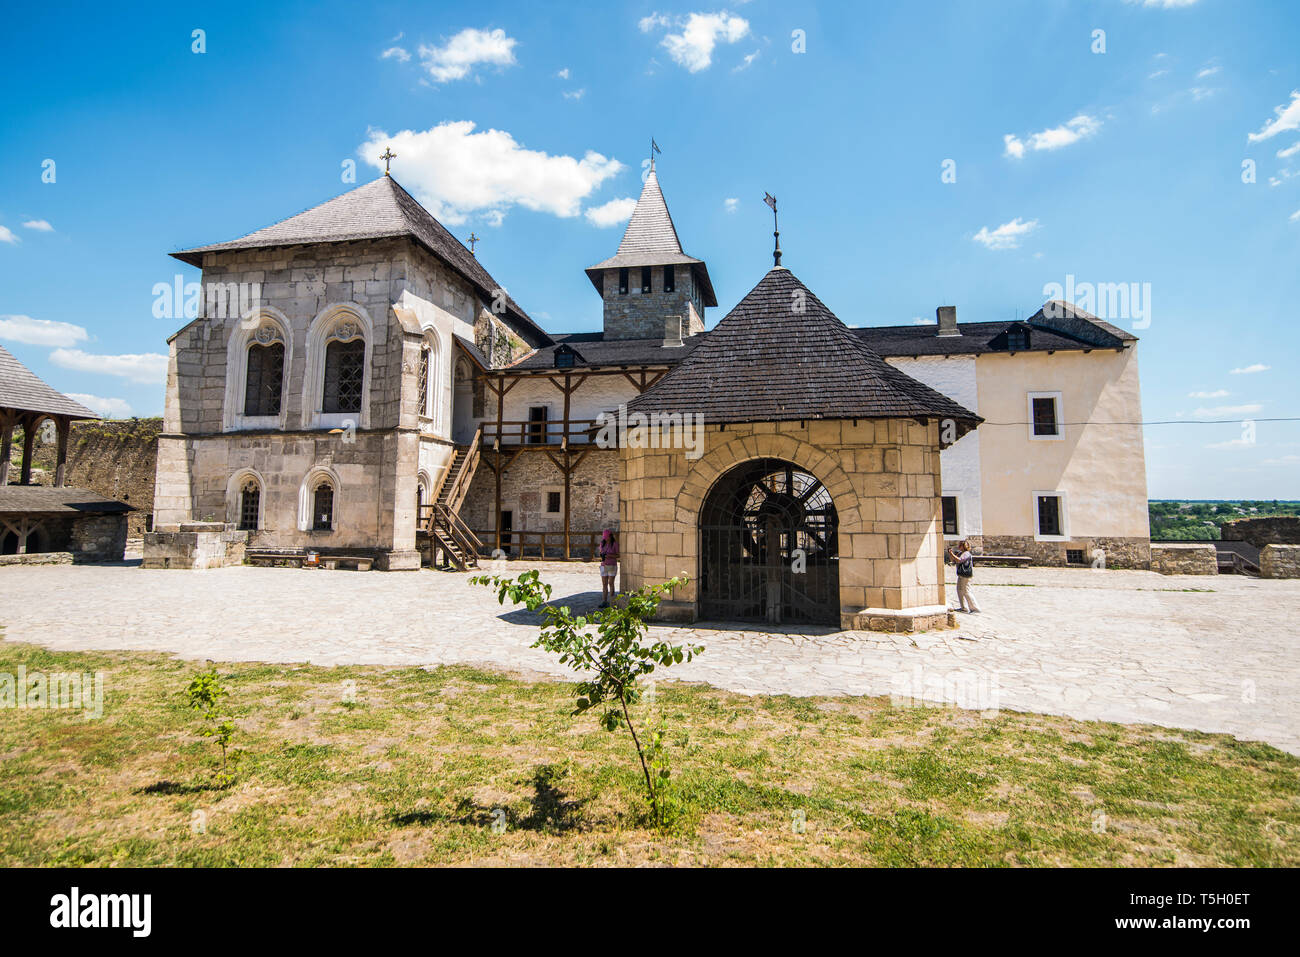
(612, 213)
(1287, 119)
(1080, 127)
(1156, 75)
(1232, 444)
(1294, 217)
(745, 63)
(1202, 92)
(40, 332)
(1163, 4)
(40, 225)
(7, 236)
(1282, 460)
(1217, 394)
(149, 368)
(456, 172)
(563, 74)
(730, 204)
(457, 59)
(1249, 370)
(395, 53)
(575, 94)
(108, 408)
(1006, 236)
(699, 34)
(922, 321)
(1215, 412)
(1208, 71)
(1289, 151)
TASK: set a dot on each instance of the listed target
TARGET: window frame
(670, 278)
(242, 506)
(956, 516)
(547, 492)
(647, 280)
(248, 331)
(323, 482)
(624, 280)
(342, 322)
(1062, 515)
(1058, 407)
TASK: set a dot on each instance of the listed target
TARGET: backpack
(966, 569)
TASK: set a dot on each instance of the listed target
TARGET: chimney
(672, 331)
(947, 320)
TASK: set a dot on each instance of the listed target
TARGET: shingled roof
(20, 388)
(380, 209)
(651, 240)
(594, 350)
(47, 500)
(780, 354)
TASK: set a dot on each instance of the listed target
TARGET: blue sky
(528, 123)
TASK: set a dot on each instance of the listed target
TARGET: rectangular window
(950, 515)
(670, 279)
(553, 502)
(622, 282)
(645, 279)
(323, 508)
(1074, 556)
(537, 424)
(422, 400)
(1049, 516)
(250, 500)
(1045, 415)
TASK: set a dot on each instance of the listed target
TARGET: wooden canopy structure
(28, 402)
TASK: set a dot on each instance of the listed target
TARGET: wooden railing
(459, 532)
(465, 474)
(553, 432)
(545, 545)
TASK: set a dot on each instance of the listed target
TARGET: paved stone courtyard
(1110, 645)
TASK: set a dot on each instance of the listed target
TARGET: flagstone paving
(1110, 645)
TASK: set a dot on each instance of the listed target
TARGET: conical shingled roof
(779, 355)
(651, 240)
(376, 210)
(22, 389)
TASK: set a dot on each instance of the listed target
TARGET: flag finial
(776, 229)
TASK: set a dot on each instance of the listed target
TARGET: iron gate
(768, 548)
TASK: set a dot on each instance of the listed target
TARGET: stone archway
(768, 546)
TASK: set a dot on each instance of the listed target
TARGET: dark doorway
(507, 527)
(768, 549)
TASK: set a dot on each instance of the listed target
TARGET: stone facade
(87, 537)
(195, 545)
(1183, 559)
(656, 314)
(882, 475)
(402, 300)
(1279, 561)
(1115, 552)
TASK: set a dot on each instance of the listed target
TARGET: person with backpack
(608, 552)
(965, 562)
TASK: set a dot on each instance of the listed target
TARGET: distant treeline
(1174, 520)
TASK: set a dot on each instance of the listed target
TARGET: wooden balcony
(549, 434)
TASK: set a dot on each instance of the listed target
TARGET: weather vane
(654, 148)
(472, 240)
(776, 230)
(387, 156)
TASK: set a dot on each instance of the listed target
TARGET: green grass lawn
(414, 769)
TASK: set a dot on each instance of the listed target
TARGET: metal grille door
(768, 548)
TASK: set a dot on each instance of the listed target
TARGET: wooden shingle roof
(379, 209)
(779, 355)
(21, 388)
(51, 500)
(651, 240)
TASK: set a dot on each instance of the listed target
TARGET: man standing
(965, 562)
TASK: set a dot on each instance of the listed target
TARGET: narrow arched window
(323, 507)
(250, 506)
(345, 375)
(264, 382)
(423, 398)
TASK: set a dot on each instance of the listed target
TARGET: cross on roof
(472, 240)
(387, 156)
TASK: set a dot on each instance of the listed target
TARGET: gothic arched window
(264, 380)
(322, 508)
(345, 373)
(250, 506)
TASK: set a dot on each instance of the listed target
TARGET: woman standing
(608, 552)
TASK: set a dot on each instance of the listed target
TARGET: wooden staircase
(440, 521)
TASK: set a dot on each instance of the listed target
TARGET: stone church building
(386, 398)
